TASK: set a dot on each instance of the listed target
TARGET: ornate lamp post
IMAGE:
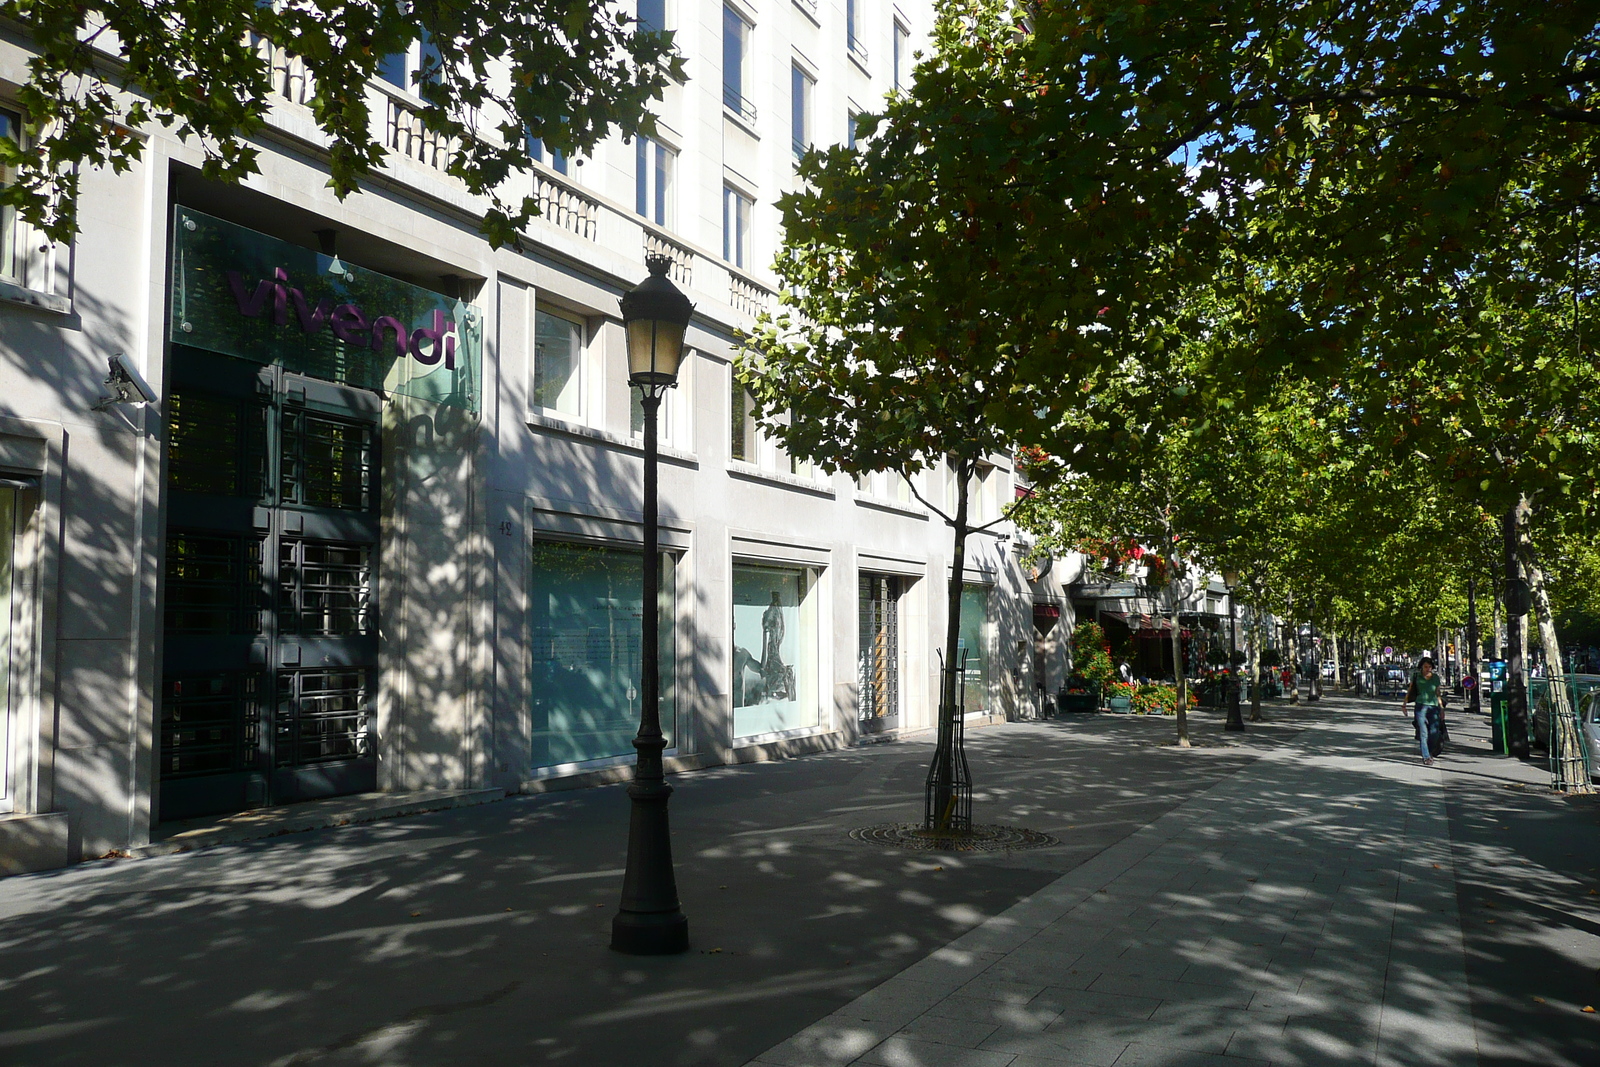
(1235, 720)
(655, 315)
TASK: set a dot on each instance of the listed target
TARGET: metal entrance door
(879, 664)
(271, 639)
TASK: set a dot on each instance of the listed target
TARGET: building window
(422, 59)
(902, 54)
(973, 644)
(586, 632)
(801, 87)
(655, 164)
(852, 119)
(11, 129)
(774, 650)
(557, 364)
(736, 64)
(672, 417)
(736, 208)
(743, 443)
(652, 16)
(854, 36)
(552, 159)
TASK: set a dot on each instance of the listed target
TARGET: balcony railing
(746, 297)
(735, 102)
(563, 206)
(407, 135)
(682, 269)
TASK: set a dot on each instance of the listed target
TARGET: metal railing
(735, 102)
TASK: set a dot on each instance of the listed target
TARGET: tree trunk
(1569, 770)
(1255, 659)
(1177, 653)
(1516, 645)
(943, 773)
(1338, 662)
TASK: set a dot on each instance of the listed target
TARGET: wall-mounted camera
(127, 385)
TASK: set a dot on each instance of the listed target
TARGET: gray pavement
(1304, 911)
(1270, 897)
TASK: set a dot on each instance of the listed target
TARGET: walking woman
(1430, 721)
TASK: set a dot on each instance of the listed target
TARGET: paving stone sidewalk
(1301, 912)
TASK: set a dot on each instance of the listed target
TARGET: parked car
(1393, 680)
(1539, 705)
(1327, 670)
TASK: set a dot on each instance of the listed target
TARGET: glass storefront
(774, 650)
(975, 630)
(586, 634)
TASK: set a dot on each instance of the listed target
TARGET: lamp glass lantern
(655, 315)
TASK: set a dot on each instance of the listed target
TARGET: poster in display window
(774, 651)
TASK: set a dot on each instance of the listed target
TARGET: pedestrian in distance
(1429, 719)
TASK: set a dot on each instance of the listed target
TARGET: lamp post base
(650, 935)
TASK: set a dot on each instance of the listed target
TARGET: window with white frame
(902, 53)
(852, 120)
(736, 211)
(802, 88)
(655, 164)
(855, 38)
(558, 364)
(673, 416)
(652, 15)
(10, 265)
(736, 64)
(422, 62)
(550, 158)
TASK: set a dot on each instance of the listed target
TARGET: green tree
(494, 73)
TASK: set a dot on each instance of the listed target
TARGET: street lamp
(655, 315)
(1230, 578)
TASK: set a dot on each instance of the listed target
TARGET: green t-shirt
(1427, 690)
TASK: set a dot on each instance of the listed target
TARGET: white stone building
(379, 530)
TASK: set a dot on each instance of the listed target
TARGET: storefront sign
(245, 294)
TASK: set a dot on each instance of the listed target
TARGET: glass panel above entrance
(245, 294)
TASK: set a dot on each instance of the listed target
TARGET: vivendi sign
(245, 294)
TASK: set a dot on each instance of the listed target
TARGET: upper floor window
(902, 54)
(652, 15)
(853, 32)
(852, 120)
(11, 130)
(736, 64)
(748, 444)
(555, 160)
(653, 186)
(802, 88)
(736, 209)
(422, 59)
(557, 364)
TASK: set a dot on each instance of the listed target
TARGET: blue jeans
(1422, 727)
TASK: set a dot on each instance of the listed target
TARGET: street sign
(1388, 650)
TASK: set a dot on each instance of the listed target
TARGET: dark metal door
(879, 655)
(270, 660)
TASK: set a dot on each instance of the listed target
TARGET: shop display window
(774, 650)
(586, 635)
(975, 629)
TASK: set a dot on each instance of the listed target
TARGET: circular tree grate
(979, 839)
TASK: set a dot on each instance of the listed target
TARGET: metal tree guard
(947, 795)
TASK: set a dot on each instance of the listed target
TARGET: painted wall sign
(245, 294)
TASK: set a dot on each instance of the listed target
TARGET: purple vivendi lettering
(440, 336)
(350, 325)
(389, 322)
(311, 319)
(249, 306)
(280, 297)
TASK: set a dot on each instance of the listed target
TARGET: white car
(1589, 716)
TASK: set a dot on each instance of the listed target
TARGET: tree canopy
(490, 75)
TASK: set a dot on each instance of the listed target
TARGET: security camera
(127, 385)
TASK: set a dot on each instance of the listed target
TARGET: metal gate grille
(322, 716)
(210, 723)
(879, 656)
